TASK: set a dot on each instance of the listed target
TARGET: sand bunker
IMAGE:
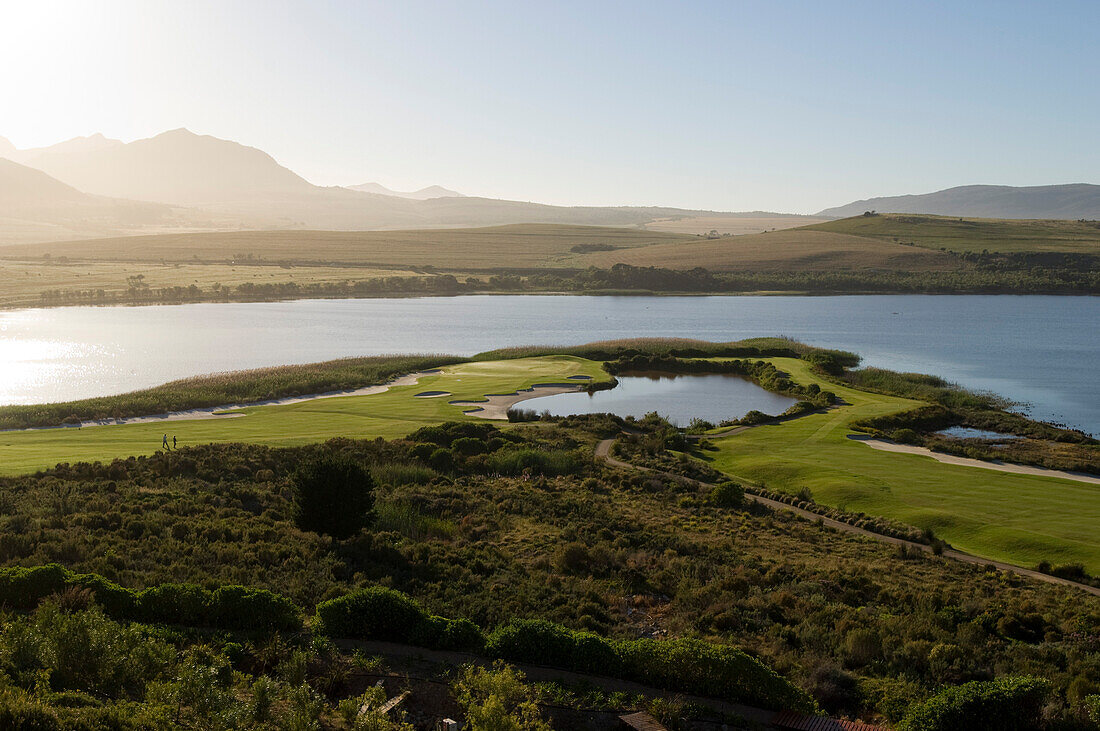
(431, 394)
(495, 405)
(1018, 469)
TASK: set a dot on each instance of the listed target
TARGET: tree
(333, 495)
(498, 700)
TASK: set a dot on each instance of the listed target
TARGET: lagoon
(1042, 350)
(678, 398)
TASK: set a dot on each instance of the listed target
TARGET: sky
(726, 105)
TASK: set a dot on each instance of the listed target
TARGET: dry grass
(734, 225)
(22, 282)
(791, 250)
(517, 246)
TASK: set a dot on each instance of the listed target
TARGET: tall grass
(237, 387)
(405, 519)
(401, 473)
(675, 347)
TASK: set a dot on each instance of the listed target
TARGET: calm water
(1041, 350)
(677, 398)
(964, 432)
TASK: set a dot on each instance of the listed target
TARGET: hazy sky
(790, 106)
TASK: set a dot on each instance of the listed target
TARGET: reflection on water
(965, 432)
(680, 398)
(1035, 349)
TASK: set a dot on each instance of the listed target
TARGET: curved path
(603, 451)
(1019, 469)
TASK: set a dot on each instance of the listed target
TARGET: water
(965, 432)
(1036, 349)
(714, 398)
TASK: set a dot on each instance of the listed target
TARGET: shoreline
(219, 412)
(495, 406)
(8, 307)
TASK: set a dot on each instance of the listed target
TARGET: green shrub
(333, 495)
(378, 613)
(1007, 704)
(727, 495)
(540, 642)
(550, 462)
(905, 436)
(241, 607)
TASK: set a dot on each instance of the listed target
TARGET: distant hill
(177, 167)
(432, 191)
(6, 147)
(1071, 202)
(36, 207)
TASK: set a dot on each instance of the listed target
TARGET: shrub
(378, 613)
(905, 436)
(498, 699)
(727, 495)
(1007, 704)
(540, 642)
(333, 495)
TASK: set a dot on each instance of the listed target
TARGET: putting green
(391, 414)
(1021, 519)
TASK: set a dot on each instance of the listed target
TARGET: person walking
(173, 441)
(164, 443)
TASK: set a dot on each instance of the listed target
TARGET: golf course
(390, 414)
(1018, 518)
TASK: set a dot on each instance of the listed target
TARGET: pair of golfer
(164, 443)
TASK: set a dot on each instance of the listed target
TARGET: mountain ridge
(1069, 201)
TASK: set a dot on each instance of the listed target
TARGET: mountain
(1074, 201)
(76, 145)
(432, 191)
(177, 167)
(35, 207)
(6, 147)
(223, 184)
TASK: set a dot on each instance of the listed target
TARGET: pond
(965, 432)
(678, 398)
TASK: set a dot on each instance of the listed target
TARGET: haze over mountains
(432, 191)
(1070, 202)
(179, 181)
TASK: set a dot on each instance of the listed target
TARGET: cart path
(603, 451)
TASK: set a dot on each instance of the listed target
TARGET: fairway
(1021, 519)
(391, 414)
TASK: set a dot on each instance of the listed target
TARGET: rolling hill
(1072, 202)
(973, 234)
(36, 207)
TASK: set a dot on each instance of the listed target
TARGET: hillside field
(973, 234)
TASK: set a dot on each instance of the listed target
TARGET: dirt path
(545, 673)
(603, 451)
(1018, 469)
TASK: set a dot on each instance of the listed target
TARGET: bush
(379, 613)
(229, 607)
(498, 700)
(905, 436)
(683, 665)
(727, 495)
(1007, 704)
(333, 495)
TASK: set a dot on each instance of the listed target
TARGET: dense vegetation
(497, 527)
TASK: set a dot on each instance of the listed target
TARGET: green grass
(972, 234)
(1021, 519)
(392, 414)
